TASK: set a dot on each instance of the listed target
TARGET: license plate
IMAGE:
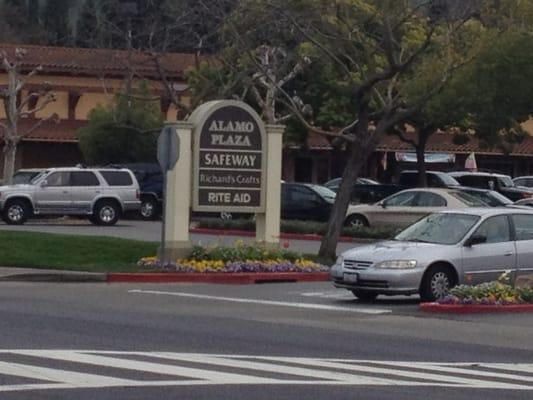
(350, 278)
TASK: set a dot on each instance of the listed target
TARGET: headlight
(396, 264)
(340, 260)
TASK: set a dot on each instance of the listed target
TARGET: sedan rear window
(468, 199)
(117, 178)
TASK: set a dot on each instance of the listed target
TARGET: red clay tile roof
(443, 143)
(65, 131)
(98, 62)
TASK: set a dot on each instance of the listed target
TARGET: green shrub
(300, 227)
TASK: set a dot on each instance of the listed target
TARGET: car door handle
(65, 191)
(508, 254)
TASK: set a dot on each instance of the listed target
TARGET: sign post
(167, 155)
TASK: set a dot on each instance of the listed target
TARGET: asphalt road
(271, 341)
(149, 231)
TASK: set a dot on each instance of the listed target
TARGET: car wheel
(436, 283)
(106, 213)
(356, 221)
(16, 212)
(149, 209)
(365, 295)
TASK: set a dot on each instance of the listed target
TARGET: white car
(405, 207)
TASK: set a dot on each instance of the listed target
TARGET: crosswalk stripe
(211, 369)
(149, 367)
(406, 373)
(324, 307)
(58, 375)
(280, 369)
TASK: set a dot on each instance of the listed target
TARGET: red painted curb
(289, 236)
(474, 308)
(242, 278)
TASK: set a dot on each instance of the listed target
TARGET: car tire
(106, 213)
(16, 212)
(436, 283)
(365, 295)
(149, 209)
(356, 221)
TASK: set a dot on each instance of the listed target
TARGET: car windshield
(440, 228)
(505, 181)
(323, 191)
(23, 177)
(469, 199)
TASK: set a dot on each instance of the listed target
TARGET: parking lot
(149, 231)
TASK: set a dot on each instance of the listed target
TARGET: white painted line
(146, 367)
(468, 382)
(60, 376)
(324, 307)
(279, 369)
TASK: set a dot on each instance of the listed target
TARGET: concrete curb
(240, 278)
(287, 236)
(474, 308)
(71, 277)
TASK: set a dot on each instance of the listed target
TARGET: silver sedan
(467, 246)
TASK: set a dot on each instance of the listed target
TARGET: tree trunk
(420, 157)
(421, 166)
(10, 152)
(328, 247)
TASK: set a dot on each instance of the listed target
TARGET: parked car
(524, 181)
(304, 201)
(435, 179)
(501, 183)
(407, 206)
(102, 195)
(440, 251)
(369, 193)
(491, 197)
(335, 183)
(23, 176)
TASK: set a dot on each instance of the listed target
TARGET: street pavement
(149, 231)
(269, 341)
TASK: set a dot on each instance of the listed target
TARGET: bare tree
(19, 104)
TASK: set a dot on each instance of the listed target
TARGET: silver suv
(102, 195)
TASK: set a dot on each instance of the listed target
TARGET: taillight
(527, 195)
(137, 194)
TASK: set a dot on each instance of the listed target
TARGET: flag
(470, 162)
(384, 161)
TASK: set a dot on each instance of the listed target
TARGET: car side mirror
(476, 239)
(43, 183)
(383, 204)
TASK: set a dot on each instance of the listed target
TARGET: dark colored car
(435, 179)
(502, 184)
(305, 201)
(335, 183)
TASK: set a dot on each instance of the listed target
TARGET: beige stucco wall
(88, 101)
(59, 107)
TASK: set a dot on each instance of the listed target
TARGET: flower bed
(238, 259)
(496, 293)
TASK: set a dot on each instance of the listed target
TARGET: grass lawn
(70, 252)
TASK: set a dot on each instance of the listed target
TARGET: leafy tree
(55, 20)
(367, 51)
(124, 132)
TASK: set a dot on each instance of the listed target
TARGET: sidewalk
(49, 275)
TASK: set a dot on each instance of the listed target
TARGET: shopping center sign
(229, 158)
